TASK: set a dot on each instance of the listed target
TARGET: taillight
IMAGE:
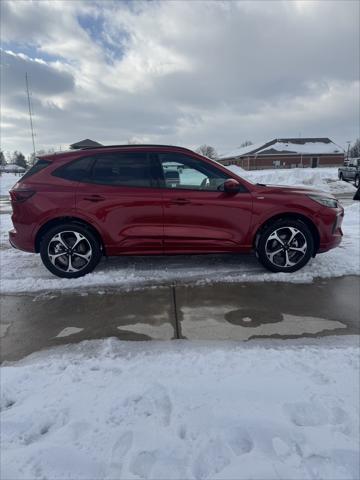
(19, 196)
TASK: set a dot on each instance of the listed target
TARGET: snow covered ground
(24, 272)
(116, 410)
(7, 180)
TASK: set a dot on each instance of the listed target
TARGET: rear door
(121, 196)
(198, 217)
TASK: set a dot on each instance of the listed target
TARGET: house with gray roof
(286, 153)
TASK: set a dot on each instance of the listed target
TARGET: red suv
(76, 206)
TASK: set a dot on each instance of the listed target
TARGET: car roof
(137, 146)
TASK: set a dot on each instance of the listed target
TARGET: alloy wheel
(69, 251)
(286, 247)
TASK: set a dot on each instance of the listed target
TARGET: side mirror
(231, 186)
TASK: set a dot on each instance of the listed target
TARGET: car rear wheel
(285, 246)
(70, 251)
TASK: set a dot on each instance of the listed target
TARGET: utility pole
(348, 150)
(30, 115)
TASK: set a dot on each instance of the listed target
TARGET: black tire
(81, 258)
(341, 177)
(357, 181)
(289, 250)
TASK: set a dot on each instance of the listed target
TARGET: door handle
(94, 198)
(180, 201)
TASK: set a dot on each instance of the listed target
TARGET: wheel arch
(66, 220)
(290, 216)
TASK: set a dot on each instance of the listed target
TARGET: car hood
(298, 190)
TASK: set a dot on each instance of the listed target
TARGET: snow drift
(112, 410)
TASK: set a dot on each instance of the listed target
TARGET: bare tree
(207, 151)
(355, 149)
(246, 143)
(32, 157)
(8, 157)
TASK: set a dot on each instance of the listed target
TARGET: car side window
(123, 169)
(183, 172)
(78, 170)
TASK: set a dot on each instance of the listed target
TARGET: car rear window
(77, 171)
(37, 167)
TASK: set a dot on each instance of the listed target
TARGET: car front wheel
(70, 251)
(285, 246)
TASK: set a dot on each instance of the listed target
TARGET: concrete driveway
(236, 311)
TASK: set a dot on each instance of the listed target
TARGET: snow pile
(110, 409)
(325, 179)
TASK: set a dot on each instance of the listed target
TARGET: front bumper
(331, 233)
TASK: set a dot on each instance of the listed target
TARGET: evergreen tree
(2, 159)
(19, 159)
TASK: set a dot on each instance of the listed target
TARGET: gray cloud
(45, 79)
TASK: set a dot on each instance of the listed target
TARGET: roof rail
(132, 145)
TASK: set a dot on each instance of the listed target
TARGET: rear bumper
(18, 241)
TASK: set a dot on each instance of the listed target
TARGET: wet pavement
(236, 311)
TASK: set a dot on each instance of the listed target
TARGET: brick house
(287, 153)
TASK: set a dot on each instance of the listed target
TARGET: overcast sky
(186, 73)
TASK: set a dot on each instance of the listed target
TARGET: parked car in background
(172, 177)
(351, 171)
(74, 207)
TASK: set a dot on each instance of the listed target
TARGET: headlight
(326, 201)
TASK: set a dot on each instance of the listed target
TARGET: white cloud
(181, 72)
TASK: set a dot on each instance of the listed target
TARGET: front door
(314, 162)
(198, 217)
